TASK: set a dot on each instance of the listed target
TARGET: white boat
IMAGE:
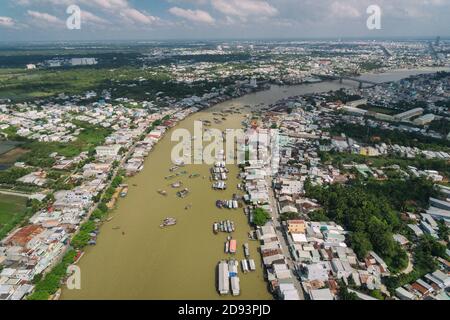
(223, 285)
(252, 264)
(235, 286)
(244, 266)
(227, 247)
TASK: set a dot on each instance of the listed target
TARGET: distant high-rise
(438, 40)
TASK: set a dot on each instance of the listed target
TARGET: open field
(12, 212)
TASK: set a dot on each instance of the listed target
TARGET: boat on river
(168, 222)
(162, 192)
(246, 250)
(183, 193)
(252, 264)
(244, 266)
(124, 192)
(223, 278)
(177, 185)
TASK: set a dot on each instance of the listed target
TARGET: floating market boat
(176, 185)
(194, 175)
(179, 163)
(244, 266)
(246, 250)
(124, 192)
(162, 192)
(233, 244)
(223, 282)
(167, 222)
(183, 193)
(219, 185)
(252, 264)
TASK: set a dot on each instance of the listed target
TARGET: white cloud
(245, 8)
(137, 16)
(43, 18)
(343, 9)
(7, 22)
(192, 15)
(112, 8)
(89, 17)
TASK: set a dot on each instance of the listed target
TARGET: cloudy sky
(214, 19)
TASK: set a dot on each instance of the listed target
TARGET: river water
(142, 261)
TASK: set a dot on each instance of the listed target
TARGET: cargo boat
(244, 266)
(223, 282)
(233, 244)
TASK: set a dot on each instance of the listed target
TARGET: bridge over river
(341, 78)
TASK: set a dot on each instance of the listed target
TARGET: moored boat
(244, 266)
(252, 264)
(223, 282)
(183, 193)
(246, 250)
(167, 222)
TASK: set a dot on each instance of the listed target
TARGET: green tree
(377, 294)
(360, 244)
(260, 216)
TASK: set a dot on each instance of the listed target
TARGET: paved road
(17, 194)
(281, 236)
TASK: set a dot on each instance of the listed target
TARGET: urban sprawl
(353, 204)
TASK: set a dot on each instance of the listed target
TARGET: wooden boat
(246, 250)
(183, 193)
(162, 192)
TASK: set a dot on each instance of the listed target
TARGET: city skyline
(45, 20)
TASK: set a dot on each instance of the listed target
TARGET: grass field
(12, 212)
